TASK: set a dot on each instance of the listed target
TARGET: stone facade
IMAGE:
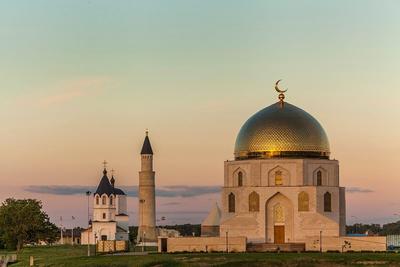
(292, 198)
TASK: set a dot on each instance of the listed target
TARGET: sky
(81, 81)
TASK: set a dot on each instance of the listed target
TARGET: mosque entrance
(278, 219)
(279, 234)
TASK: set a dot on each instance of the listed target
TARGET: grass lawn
(76, 256)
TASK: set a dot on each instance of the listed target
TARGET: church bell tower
(147, 202)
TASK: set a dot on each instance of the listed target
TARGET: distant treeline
(183, 229)
(386, 229)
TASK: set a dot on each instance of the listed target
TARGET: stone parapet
(346, 243)
(202, 244)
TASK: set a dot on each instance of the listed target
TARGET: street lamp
(355, 224)
(95, 241)
(320, 241)
(142, 201)
(226, 240)
(144, 238)
(72, 230)
(88, 193)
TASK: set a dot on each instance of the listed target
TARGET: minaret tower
(147, 201)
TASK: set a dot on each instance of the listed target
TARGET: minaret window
(97, 200)
(104, 200)
(104, 215)
(278, 178)
(303, 201)
(240, 179)
(111, 200)
(319, 178)
(231, 204)
(254, 202)
(327, 202)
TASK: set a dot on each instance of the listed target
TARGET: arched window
(278, 178)
(111, 200)
(240, 179)
(254, 202)
(319, 178)
(327, 202)
(104, 200)
(104, 215)
(231, 202)
(97, 200)
(303, 201)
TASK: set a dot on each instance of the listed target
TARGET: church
(110, 215)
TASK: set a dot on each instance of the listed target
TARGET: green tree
(22, 221)
(1, 240)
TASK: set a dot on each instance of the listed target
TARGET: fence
(111, 246)
(393, 241)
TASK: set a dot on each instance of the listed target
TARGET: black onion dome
(105, 187)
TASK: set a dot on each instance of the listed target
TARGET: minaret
(147, 201)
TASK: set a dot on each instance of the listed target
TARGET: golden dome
(282, 131)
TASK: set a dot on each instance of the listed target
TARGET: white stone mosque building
(282, 186)
(281, 191)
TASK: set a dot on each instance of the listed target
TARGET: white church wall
(87, 235)
(109, 214)
(107, 229)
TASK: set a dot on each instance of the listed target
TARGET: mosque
(282, 188)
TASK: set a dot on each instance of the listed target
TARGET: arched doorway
(278, 219)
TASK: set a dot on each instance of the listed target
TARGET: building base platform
(272, 247)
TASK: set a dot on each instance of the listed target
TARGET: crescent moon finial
(277, 88)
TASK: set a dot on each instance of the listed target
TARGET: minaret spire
(147, 203)
(146, 148)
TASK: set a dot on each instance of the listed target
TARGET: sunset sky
(80, 81)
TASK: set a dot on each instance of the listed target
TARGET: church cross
(105, 164)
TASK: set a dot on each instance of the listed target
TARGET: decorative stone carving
(279, 215)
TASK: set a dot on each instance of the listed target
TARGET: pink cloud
(71, 90)
(64, 92)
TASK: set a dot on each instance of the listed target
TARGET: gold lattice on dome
(281, 130)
